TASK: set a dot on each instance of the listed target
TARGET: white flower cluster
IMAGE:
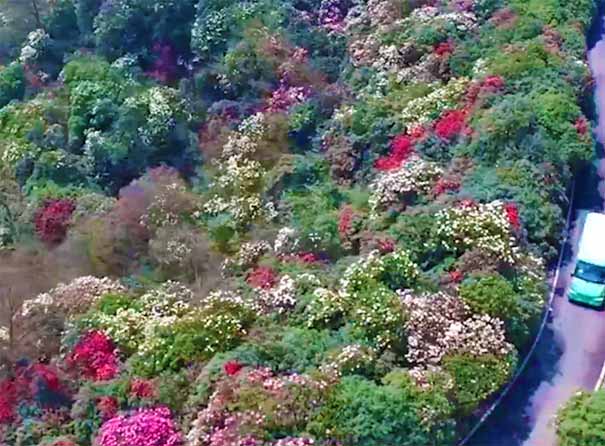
(325, 306)
(249, 253)
(218, 297)
(431, 16)
(36, 41)
(372, 266)
(478, 226)
(135, 327)
(239, 180)
(280, 298)
(350, 359)
(286, 242)
(161, 104)
(416, 176)
(5, 236)
(74, 297)
(440, 324)
(421, 110)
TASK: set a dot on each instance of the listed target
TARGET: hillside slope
(321, 222)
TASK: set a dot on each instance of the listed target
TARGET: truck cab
(588, 279)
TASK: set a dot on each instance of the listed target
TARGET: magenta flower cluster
(146, 427)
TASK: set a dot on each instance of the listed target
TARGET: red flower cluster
(8, 401)
(467, 203)
(581, 126)
(401, 149)
(386, 246)
(303, 257)
(142, 388)
(107, 406)
(490, 84)
(493, 83)
(444, 185)
(262, 277)
(451, 124)
(512, 213)
(456, 276)
(38, 383)
(345, 221)
(94, 356)
(444, 49)
(52, 220)
(232, 368)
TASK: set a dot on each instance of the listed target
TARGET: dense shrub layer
(330, 219)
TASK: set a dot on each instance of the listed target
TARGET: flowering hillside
(302, 222)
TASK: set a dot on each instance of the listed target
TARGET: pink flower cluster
(581, 125)
(490, 84)
(107, 407)
(445, 185)
(345, 222)
(37, 382)
(286, 96)
(94, 356)
(232, 368)
(262, 277)
(332, 14)
(146, 427)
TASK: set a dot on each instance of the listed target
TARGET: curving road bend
(571, 352)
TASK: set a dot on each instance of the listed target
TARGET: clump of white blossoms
(440, 324)
(35, 43)
(415, 176)
(348, 360)
(238, 184)
(478, 226)
(286, 242)
(73, 297)
(421, 110)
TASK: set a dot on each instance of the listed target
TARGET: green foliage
(12, 84)
(517, 304)
(579, 422)
(360, 412)
(476, 378)
(491, 295)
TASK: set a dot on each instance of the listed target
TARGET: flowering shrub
(483, 226)
(451, 124)
(379, 176)
(401, 149)
(94, 357)
(153, 427)
(262, 277)
(440, 324)
(52, 220)
(416, 176)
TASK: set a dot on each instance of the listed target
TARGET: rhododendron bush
(295, 223)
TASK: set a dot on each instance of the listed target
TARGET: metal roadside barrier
(548, 310)
(599, 384)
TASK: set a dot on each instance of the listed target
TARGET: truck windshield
(590, 273)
